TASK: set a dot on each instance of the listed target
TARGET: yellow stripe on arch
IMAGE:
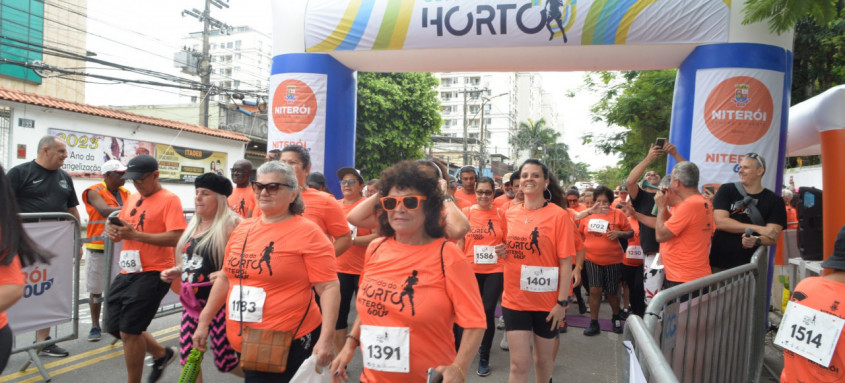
(628, 19)
(343, 27)
(403, 21)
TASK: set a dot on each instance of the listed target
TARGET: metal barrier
(32, 348)
(708, 330)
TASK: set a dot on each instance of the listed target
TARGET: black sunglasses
(758, 158)
(271, 187)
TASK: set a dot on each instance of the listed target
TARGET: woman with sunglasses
(414, 286)
(199, 258)
(481, 244)
(537, 275)
(272, 262)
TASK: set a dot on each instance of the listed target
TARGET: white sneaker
(500, 323)
(504, 343)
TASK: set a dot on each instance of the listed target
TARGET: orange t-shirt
(579, 241)
(823, 295)
(601, 250)
(242, 201)
(500, 200)
(486, 228)
(285, 259)
(633, 241)
(462, 203)
(535, 238)
(10, 275)
(400, 281)
(158, 213)
(352, 260)
(791, 216)
(322, 209)
(462, 194)
(686, 256)
(579, 208)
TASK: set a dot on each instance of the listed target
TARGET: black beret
(215, 183)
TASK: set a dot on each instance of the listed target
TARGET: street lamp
(483, 137)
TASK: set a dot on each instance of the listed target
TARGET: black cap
(215, 183)
(837, 259)
(342, 172)
(140, 165)
(316, 180)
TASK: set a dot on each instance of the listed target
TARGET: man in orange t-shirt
(321, 208)
(791, 213)
(151, 223)
(242, 200)
(507, 188)
(467, 190)
(685, 232)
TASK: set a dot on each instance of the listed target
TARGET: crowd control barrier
(51, 292)
(708, 330)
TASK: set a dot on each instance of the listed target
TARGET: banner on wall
(337, 25)
(180, 164)
(87, 152)
(298, 114)
(736, 111)
(48, 289)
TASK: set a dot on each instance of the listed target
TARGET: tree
(561, 165)
(610, 177)
(782, 15)
(397, 114)
(534, 136)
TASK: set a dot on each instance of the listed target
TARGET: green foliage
(610, 177)
(534, 136)
(640, 102)
(397, 114)
(782, 15)
(819, 57)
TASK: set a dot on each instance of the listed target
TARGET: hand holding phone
(711, 189)
(115, 221)
(433, 376)
(660, 142)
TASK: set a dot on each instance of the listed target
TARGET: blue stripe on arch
(612, 26)
(356, 32)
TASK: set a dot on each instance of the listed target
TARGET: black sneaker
(593, 329)
(161, 363)
(53, 350)
(624, 313)
(617, 324)
(483, 367)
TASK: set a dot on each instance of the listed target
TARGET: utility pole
(205, 62)
(466, 122)
(481, 151)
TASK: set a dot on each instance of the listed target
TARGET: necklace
(530, 217)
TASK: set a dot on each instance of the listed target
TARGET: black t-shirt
(726, 250)
(644, 204)
(39, 190)
(198, 266)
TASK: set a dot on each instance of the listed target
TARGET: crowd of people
(276, 262)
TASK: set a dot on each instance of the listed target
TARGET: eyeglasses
(483, 192)
(410, 202)
(572, 200)
(271, 187)
(758, 158)
(135, 209)
(348, 182)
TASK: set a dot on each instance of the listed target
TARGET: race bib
(485, 255)
(598, 225)
(130, 261)
(538, 279)
(635, 252)
(386, 348)
(809, 333)
(248, 307)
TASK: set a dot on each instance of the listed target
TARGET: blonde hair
(214, 241)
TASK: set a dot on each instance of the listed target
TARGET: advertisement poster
(736, 111)
(337, 25)
(87, 152)
(183, 165)
(298, 114)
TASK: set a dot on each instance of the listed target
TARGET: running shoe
(593, 329)
(624, 313)
(483, 367)
(160, 364)
(53, 350)
(95, 334)
(504, 343)
(500, 323)
(617, 324)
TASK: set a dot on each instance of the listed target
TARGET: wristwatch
(448, 198)
(564, 303)
(757, 241)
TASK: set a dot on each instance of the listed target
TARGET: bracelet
(350, 336)
(461, 370)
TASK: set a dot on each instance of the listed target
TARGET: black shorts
(348, 287)
(300, 349)
(534, 321)
(132, 302)
(607, 277)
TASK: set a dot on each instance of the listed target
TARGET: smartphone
(433, 376)
(711, 189)
(115, 221)
(660, 142)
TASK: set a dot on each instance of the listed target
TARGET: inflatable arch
(731, 95)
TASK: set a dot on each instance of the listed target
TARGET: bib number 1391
(385, 348)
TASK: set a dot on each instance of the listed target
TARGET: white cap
(112, 166)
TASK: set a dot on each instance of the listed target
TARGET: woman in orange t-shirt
(414, 287)
(601, 231)
(271, 265)
(16, 250)
(537, 274)
(484, 240)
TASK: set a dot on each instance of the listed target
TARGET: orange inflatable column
(833, 173)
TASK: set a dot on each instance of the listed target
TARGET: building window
(237, 69)
(473, 109)
(193, 99)
(446, 96)
(473, 135)
(237, 83)
(487, 121)
(237, 56)
(475, 81)
(237, 45)
(229, 45)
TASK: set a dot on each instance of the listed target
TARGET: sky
(147, 34)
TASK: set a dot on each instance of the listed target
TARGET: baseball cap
(837, 259)
(316, 180)
(506, 178)
(112, 166)
(342, 172)
(140, 165)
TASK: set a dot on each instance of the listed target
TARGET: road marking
(74, 358)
